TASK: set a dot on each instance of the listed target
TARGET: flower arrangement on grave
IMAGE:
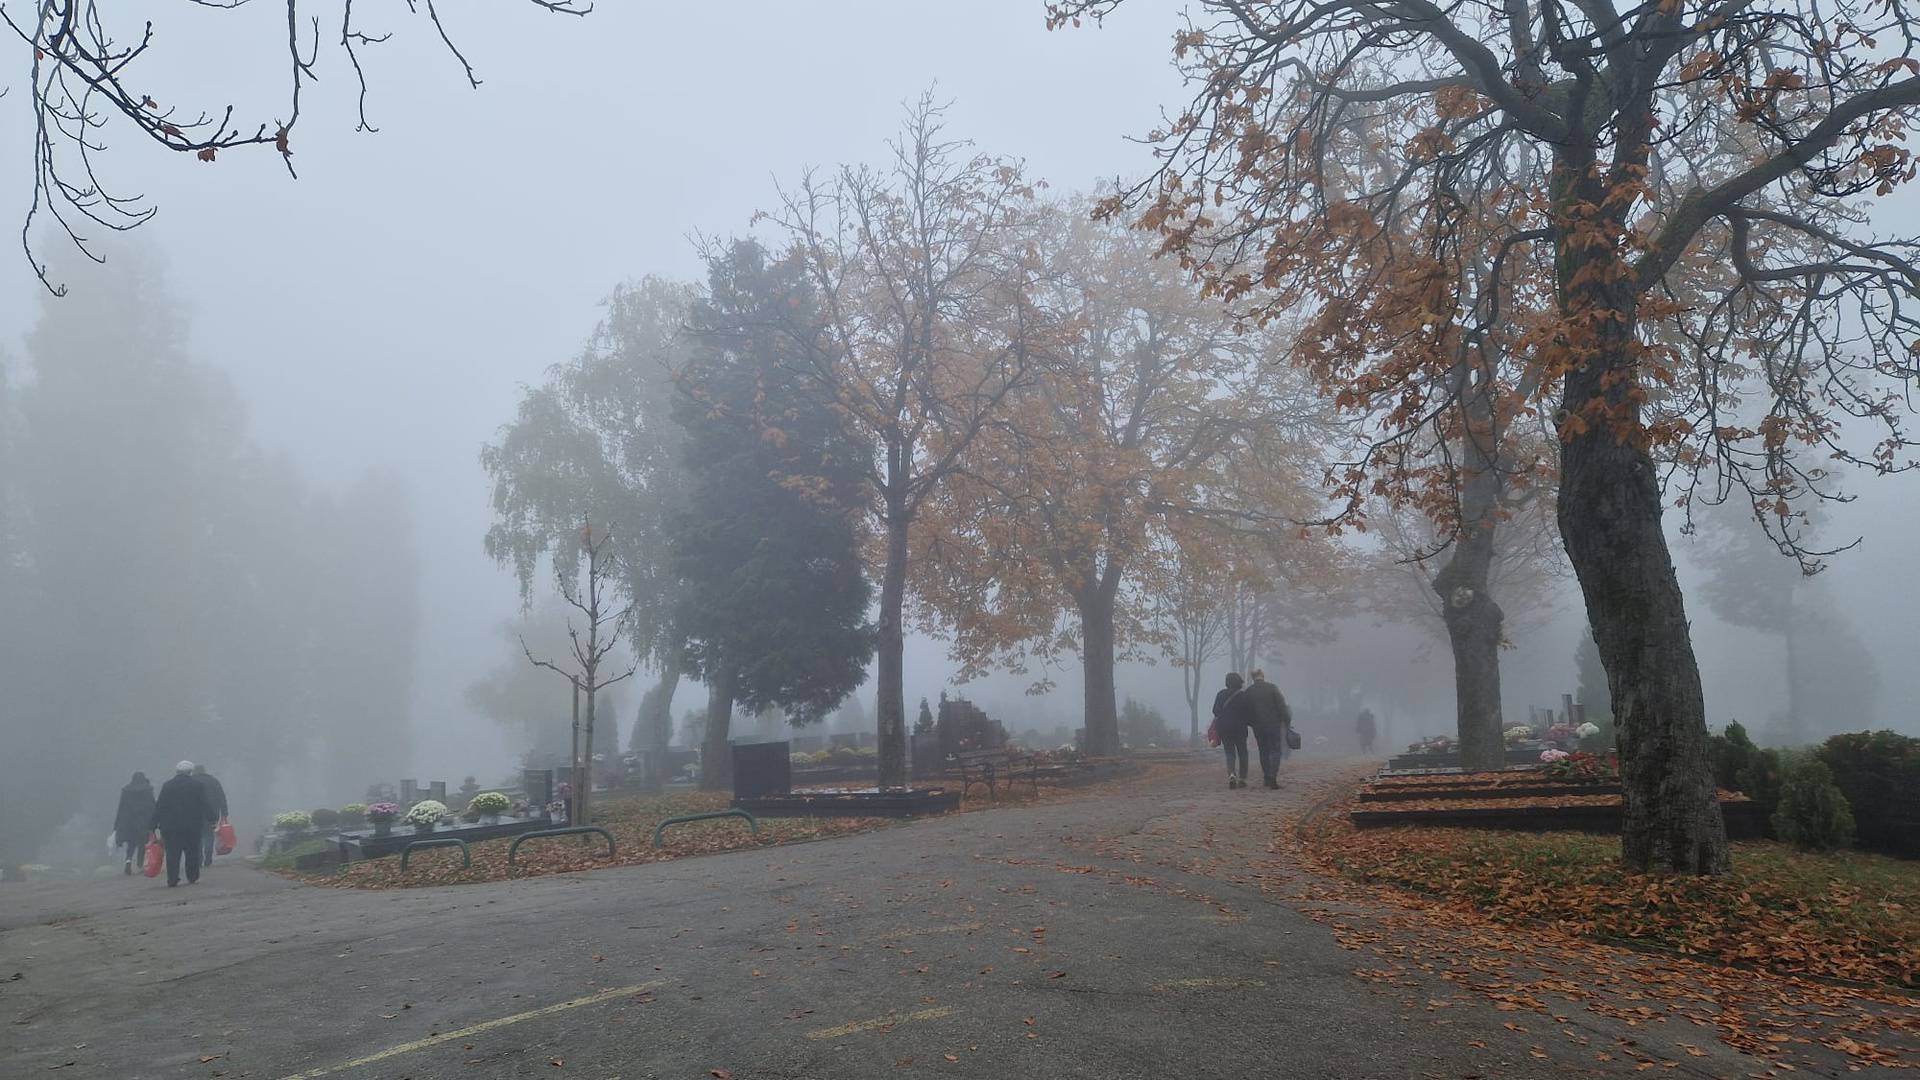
(1517, 735)
(1583, 767)
(324, 817)
(1561, 735)
(426, 814)
(353, 814)
(1550, 757)
(293, 821)
(1432, 744)
(383, 813)
(489, 804)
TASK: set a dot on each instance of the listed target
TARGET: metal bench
(990, 767)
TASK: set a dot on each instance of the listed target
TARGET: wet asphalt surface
(1010, 942)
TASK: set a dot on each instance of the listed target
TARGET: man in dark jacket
(134, 819)
(217, 802)
(1267, 714)
(1231, 725)
(181, 813)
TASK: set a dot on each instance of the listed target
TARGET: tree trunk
(1609, 515)
(655, 723)
(1467, 606)
(1193, 673)
(716, 755)
(573, 760)
(890, 705)
(583, 791)
(1096, 660)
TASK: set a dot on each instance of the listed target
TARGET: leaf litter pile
(1792, 957)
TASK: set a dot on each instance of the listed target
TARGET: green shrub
(1879, 773)
(325, 818)
(1731, 752)
(1812, 815)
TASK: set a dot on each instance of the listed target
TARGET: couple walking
(185, 814)
(1260, 708)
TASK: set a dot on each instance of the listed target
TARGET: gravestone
(538, 784)
(437, 791)
(925, 754)
(409, 793)
(761, 769)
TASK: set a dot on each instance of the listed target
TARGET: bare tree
(605, 622)
(90, 64)
(923, 276)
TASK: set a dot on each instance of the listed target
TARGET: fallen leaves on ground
(1848, 916)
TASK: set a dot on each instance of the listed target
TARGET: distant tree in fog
(174, 592)
(1828, 675)
(598, 439)
(92, 64)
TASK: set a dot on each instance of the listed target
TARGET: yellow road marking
(871, 1025)
(1212, 984)
(954, 929)
(468, 1032)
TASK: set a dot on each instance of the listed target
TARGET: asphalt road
(1039, 940)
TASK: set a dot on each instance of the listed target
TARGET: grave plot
(1528, 799)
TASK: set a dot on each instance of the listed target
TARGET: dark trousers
(182, 846)
(1271, 739)
(1234, 740)
(137, 852)
(206, 844)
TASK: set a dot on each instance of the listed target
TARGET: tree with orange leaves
(1687, 173)
(1155, 436)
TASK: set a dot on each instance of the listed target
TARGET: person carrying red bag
(182, 815)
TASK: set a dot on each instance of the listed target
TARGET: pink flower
(1551, 756)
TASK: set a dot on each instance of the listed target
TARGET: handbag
(1293, 738)
(224, 838)
(155, 853)
(1213, 732)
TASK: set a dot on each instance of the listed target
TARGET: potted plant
(353, 815)
(490, 804)
(325, 818)
(425, 815)
(293, 822)
(382, 815)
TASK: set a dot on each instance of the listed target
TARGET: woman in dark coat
(1231, 724)
(131, 820)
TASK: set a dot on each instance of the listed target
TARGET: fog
(380, 317)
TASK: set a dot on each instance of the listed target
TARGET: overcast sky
(387, 307)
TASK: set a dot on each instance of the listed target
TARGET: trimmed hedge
(1879, 773)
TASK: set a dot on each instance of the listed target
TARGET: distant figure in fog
(1232, 729)
(1262, 708)
(182, 814)
(134, 819)
(217, 802)
(1363, 727)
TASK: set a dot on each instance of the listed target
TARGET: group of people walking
(1257, 707)
(186, 814)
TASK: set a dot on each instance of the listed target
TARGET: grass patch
(1850, 916)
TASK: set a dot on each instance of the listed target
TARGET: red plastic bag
(224, 838)
(154, 855)
(1213, 733)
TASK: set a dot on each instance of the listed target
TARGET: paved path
(1117, 935)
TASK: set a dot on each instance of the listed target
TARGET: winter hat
(184, 767)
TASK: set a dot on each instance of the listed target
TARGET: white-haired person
(181, 814)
